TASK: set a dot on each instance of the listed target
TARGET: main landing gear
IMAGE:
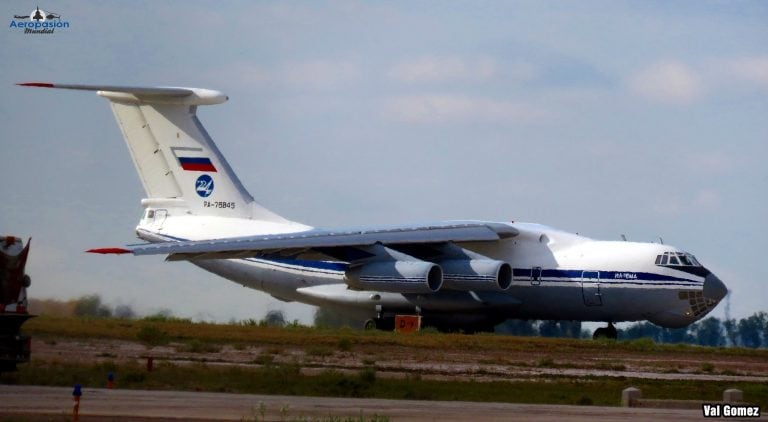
(386, 324)
(608, 332)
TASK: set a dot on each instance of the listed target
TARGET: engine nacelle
(396, 277)
(476, 274)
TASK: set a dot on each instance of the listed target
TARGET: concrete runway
(143, 405)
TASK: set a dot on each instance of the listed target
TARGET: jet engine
(396, 277)
(476, 274)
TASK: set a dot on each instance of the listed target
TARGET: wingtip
(37, 84)
(108, 251)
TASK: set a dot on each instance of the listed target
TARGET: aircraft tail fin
(178, 163)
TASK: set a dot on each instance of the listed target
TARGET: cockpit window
(678, 259)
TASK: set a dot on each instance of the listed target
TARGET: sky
(648, 119)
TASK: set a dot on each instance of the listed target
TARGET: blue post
(76, 393)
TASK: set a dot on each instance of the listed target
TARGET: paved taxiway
(182, 405)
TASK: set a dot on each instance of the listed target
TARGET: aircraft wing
(250, 246)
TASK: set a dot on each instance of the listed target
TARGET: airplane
(456, 275)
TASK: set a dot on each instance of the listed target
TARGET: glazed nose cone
(714, 288)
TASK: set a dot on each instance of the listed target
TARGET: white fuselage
(557, 275)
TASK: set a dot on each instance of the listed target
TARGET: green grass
(151, 335)
(158, 332)
(287, 380)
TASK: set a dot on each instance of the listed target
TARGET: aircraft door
(590, 288)
(535, 276)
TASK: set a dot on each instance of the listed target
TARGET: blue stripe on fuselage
(619, 276)
(605, 276)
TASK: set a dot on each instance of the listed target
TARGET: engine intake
(396, 277)
(476, 274)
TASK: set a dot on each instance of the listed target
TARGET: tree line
(751, 331)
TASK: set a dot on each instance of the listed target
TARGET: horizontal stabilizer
(160, 95)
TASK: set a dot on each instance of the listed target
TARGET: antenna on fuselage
(624, 237)
(661, 240)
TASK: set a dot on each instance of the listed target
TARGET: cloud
(445, 107)
(668, 82)
(673, 205)
(677, 83)
(753, 70)
(707, 198)
(709, 162)
(668, 206)
(320, 74)
(432, 69)
(245, 74)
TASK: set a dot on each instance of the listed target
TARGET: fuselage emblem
(204, 186)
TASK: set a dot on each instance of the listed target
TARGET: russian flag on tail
(197, 164)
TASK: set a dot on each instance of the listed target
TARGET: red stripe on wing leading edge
(104, 251)
(37, 84)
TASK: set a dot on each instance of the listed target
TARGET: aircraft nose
(714, 288)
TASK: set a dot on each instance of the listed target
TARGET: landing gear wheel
(608, 332)
(369, 325)
(599, 333)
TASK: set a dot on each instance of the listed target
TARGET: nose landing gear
(608, 332)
